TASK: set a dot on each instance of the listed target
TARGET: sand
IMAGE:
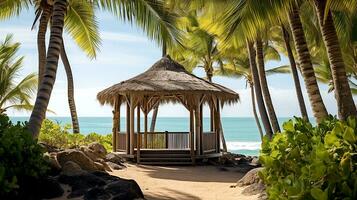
(185, 182)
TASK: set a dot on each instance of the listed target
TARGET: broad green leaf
(349, 135)
(318, 194)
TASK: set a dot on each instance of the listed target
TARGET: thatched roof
(167, 78)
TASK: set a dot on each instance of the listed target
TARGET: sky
(125, 51)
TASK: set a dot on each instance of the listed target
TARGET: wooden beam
(197, 128)
(138, 142)
(115, 123)
(145, 130)
(219, 127)
(201, 129)
(191, 137)
(132, 136)
(127, 128)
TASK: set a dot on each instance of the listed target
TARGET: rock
(124, 189)
(253, 189)
(78, 157)
(72, 169)
(255, 161)
(96, 193)
(81, 182)
(90, 153)
(98, 149)
(50, 188)
(250, 177)
(48, 148)
(114, 158)
(115, 166)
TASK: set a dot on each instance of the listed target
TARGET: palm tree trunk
(255, 111)
(70, 89)
(343, 95)
(307, 70)
(258, 91)
(294, 71)
(264, 86)
(156, 109)
(41, 42)
(46, 86)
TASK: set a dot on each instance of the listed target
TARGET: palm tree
(345, 103)
(80, 16)
(148, 14)
(14, 95)
(305, 64)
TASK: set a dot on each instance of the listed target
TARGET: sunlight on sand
(185, 182)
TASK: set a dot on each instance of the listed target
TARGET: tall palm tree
(49, 76)
(148, 14)
(345, 103)
(80, 16)
(13, 94)
(305, 64)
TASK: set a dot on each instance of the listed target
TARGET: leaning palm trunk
(41, 42)
(70, 90)
(294, 71)
(263, 113)
(307, 70)
(46, 86)
(156, 108)
(264, 86)
(343, 95)
(255, 111)
(209, 75)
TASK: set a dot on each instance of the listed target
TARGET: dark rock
(255, 161)
(78, 157)
(105, 176)
(77, 193)
(114, 158)
(98, 149)
(96, 193)
(81, 182)
(115, 166)
(50, 188)
(124, 189)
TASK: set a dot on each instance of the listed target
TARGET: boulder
(250, 177)
(114, 158)
(255, 161)
(78, 157)
(124, 189)
(96, 193)
(90, 153)
(98, 149)
(253, 189)
(81, 183)
(115, 166)
(72, 169)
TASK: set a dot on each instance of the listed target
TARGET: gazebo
(167, 81)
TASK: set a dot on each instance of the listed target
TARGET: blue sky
(126, 52)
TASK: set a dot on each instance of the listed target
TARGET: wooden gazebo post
(132, 135)
(116, 116)
(127, 128)
(191, 136)
(138, 142)
(198, 124)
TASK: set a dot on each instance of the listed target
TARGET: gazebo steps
(166, 163)
(164, 157)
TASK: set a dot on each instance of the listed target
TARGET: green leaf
(349, 135)
(318, 194)
(288, 126)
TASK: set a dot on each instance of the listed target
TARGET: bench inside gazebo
(167, 81)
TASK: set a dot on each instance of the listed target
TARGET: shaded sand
(185, 182)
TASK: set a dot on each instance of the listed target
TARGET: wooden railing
(168, 140)
(209, 141)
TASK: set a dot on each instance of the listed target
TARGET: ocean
(241, 133)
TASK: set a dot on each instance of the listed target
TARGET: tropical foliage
(312, 162)
(21, 157)
(14, 93)
(57, 135)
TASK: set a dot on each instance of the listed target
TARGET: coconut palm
(80, 16)
(345, 103)
(148, 14)
(13, 94)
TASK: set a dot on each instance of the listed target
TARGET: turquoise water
(241, 133)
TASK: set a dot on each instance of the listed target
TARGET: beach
(185, 182)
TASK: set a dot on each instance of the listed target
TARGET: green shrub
(307, 162)
(20, 156)
(59, 136)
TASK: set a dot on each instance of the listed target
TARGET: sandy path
(188, 182)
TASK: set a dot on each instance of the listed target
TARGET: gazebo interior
(167, 81)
